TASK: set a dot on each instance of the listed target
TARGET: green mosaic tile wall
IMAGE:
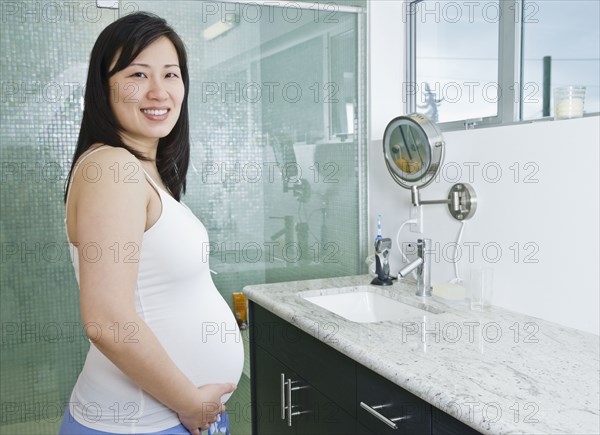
(261, 204)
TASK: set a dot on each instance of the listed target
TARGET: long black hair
(131, 34)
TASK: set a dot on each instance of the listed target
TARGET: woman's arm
(111, 217)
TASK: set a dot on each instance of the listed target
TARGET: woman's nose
(157, 91)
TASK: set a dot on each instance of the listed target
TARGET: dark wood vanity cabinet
(375, 394)
(312, 412)
(329, 393)
(444, 424)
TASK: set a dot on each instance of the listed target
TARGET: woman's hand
(203, 412)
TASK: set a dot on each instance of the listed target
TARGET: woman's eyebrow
(148, 66)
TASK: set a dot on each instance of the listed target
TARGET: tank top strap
(158, 189)
(161, 191)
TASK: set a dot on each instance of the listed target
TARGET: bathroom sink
(363, 305)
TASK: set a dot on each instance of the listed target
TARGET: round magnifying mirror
(414, 150)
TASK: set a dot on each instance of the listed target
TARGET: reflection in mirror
(413, 149)
(410, 151)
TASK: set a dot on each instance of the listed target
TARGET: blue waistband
(70, 426)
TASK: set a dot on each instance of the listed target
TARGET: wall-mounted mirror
(413, 147)
(414, 150)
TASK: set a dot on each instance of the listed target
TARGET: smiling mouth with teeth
(155, 112)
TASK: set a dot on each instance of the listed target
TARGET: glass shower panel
(275, 121)
(44, 47)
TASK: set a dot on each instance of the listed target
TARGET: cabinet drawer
(268, 403)
(319, 415)
(444, 424)
(410, 414)
(318, 363)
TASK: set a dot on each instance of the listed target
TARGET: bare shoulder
(111, 164)
(110, 172)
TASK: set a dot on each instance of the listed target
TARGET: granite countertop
(495, 370)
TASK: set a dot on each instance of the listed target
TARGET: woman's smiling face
(146, 96)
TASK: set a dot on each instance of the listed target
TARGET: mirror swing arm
(462, 200)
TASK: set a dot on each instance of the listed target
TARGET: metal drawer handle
(389, 421)
(289, 399)
(289, 406)
(283, 407)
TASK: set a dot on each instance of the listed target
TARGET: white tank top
(176, 297)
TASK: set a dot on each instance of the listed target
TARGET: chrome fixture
(423, 266)
(286, 396)
(462, 200)
(413, 147)
(382, 264)
(374, 411)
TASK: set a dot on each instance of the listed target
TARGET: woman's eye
(172, 75)
(138, 74)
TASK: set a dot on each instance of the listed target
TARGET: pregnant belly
(202, 337)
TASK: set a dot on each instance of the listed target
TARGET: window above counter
(484, 63)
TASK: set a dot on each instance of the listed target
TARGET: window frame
(510, 71)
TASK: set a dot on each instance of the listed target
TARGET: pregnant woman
(165, 352)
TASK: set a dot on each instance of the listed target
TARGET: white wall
(550, 203)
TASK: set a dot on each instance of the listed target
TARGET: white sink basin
(366, 306)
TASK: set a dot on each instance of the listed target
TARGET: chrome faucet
(423, 266)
